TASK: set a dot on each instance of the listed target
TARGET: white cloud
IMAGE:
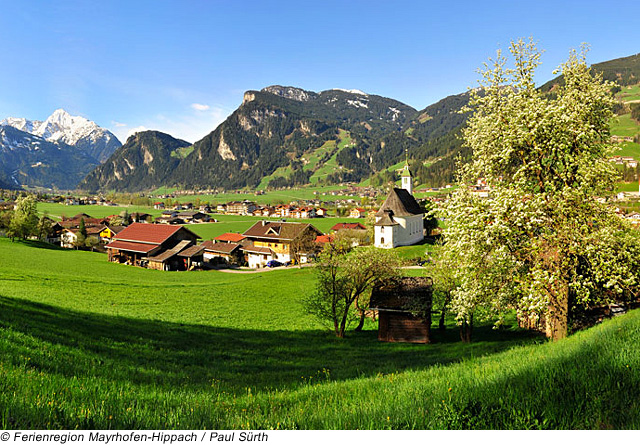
(190, 126)
(137, 129)
(200, 107)
(118, 124)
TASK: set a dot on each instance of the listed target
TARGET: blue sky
(182, 66)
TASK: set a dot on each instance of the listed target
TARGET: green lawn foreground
(88, 344)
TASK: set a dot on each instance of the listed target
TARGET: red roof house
(348, 226)
(229, 238)
(140, 243)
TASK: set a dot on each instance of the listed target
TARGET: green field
(629, 93)
(624, 126)
(85, 344)
(629, 149)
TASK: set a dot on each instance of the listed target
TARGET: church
(399, 220)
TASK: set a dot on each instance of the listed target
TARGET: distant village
(166, 243)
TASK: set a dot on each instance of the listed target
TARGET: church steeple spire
(407, 182)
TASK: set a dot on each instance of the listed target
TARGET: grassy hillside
(88, 344)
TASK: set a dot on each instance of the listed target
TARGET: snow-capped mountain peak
(21, 124)
(75, 131)
(61, 126)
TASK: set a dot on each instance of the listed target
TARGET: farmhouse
(223, 252)
(281, 241)
(258, 256)
(399, 220)
(147, 244)
(404, 309)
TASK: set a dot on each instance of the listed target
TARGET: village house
(173, 220)
(140, 217)
(158, 205)
(357, 213)
(193, 217)
(241, 207)
(223, 252)
(258, 257)
(348, 226)
(265, 211)
(154, 245)
(283, 210)
(109, 232)
(399, 220)
(170, 213)
(69, 236)
(280, 241)
(321, 240)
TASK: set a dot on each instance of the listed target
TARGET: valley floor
(89, 344)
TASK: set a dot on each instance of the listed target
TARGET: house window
(382, 229)
(382, 240)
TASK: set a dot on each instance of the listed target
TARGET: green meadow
(624, 126)
(630, 93)
(86, 344)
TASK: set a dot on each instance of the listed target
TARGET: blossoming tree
(544, 243)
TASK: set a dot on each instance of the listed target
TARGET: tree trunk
(361, 322)
(558, 315)
(466, 329)
(441, 325)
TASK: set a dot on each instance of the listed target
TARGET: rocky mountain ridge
(55, 153)
(286, 136)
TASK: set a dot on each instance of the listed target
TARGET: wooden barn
(153, 245)
(404, 309)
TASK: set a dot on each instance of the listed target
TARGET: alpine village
(331, 260)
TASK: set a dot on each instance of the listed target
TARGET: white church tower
(407, 182)
(399, 220)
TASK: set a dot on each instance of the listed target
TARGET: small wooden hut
(404, 309)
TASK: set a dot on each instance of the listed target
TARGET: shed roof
(192, 251)
(396, 295)
(164, 256)
(226, 248)
(259, 250)
(401, 203)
